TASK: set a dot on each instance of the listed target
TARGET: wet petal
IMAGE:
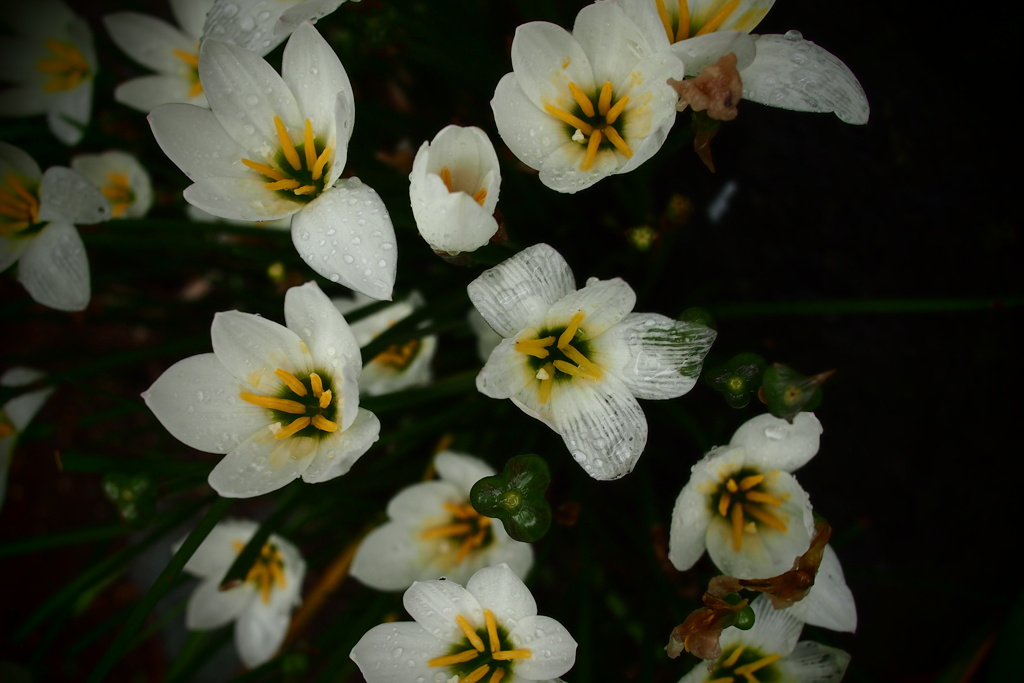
(338, 452)
(774, 444)
(55, 269)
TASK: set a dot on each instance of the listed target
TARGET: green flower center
(744, 495)
(19, 206)
(558, 355)
(466, 531)
(594, 120)
(297, 172)
(303, 408)
(483, 652)
(267, 572)
(745, 665)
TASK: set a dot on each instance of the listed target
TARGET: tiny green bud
(737, 379)
(787, 392)
(133, 495)
(517, 497)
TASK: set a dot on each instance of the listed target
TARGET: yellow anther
(616, 110)
(604, 100)
(460, 511)
(723, 679)
(505, 655)
(714, 22)
(480, 195)
(447, 530)
(585, 363)
(683, 27)
(734, 657)
(665, 21)
(573, 121)
(263, 169)
(766, 517)
(759, 664)
(547, 384)
(751, 481)
(581, 99)
(190, 58)
(616, 139)
(497, 675)
(321, 161)
(317, 385)
(731, 485)
(398, 356)
(569, 333)
(492, 631)
(592, 145)
(291, 381)
(476, 674)
(470, 633)
(119, 192)
(737, 527)
(286, 184)
(15, 182)
(305, 189)
(309, 146)
(458, 658)
(297, 425)
(535, 347)
(196, 90)
(760, 497)
(323, 424)
(446, 178)
(572, 370)
(287, 146)
(723, 503)
(67, 68)
(283, 405)
(325, 399)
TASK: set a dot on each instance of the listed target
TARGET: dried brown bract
(700, 632)
(718, 89)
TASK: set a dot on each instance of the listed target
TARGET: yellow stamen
(592, 145)
(476, 674)
(308, 146)
(737, 527)
(325, 399)
(570, 330)
(306, 189)
(492, 632)
(616, 139)
(535, 347)
(751, 481)
(189, 58)
(283, 405)
(447, 530)
(760, 497)
(67, 68)
(585, 364)
(604, 100)
(614, 112)
(665, 21)
(470, 633)
(460, 511)
(458, 658)
(766, 517)
(292, 381)
(323, 424)
(547, 383)
(723, 503)
(731, 485)
(467, 546)
(119, 192)
(287, 146)
(263, 169)
(585, 104)
(572, 370)
(446, 178)
(297, 425)
(480, 196)
(714, 22)
(321, 161)
(505, 655)
(734, 657)
(29, 198)
(573, 121)
(759, 664)
(196, 90)
(286, 184)
(317, 385)
(497, 675)
(398, 356)
(683, 28)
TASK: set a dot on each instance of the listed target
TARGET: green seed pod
(517, 497)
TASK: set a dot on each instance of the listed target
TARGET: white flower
(434, 531)
(782, 71)
(170, 51)
(578, 360)
(196, 214)
(121, 179)
(397, 367)
(38, 213)
(769, 651)
(488, 631)
(273, 146)
(743, 505)
(51, 63)
(261, 605)
(281, 402)
(453, 188)
(16, 414)
(261, 25)
(582, 106)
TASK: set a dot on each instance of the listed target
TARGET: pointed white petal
(545, 58)
(98, 169)
(774, 631)
(551, 654)
(21, 409)
(146, 93)
(259, 632)
(793, 73)
(339, 452)
(501, 591)
(149, 41)
(307, 10)
(517, 293)
(527, 130)
(414, 505)
(317, 78)
(561, 169)
(703, 51)
(65, 195)
(15, 159)
(262, 464)
(245, 199)
(55, 269)
(612, 42)
(311, 315)
(388, 559)
(604, 303)
(690, 519)
(192, 138)
(346, 235)
(251, 348)
(214, 556)
(250, 26)
(774, 444)
(435, 604)
(374, 653)
(461, 469)
(506, 373)
(644, 14)
(455, 222)
(69, 113)
(815, 663)
(190, 15)
(830, 603)
(209, 607)
(746, 15)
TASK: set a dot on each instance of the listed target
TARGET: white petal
(506, 373)
(774, 631)
(612, 42)
(455, 223)
(209, 607)
(690, 519)
(379, 378)
(792, 73)
(774, 444)
(346, 235)
(702, 51)
(98, 168)
(644, 14)
(815, 663)
(601, 423)
(250, 27)
(545, 58)
(470, 158)
(516, 293)
(604, 303)
(245, 199)
(830, 603)
(311, 315)
(529, 132)
(561, 169)
(501, 591)
(388, 558)
(216, 553)
(196, 400)
(652, 105)
(415, 505)
(435, 604)
(262, 464)
(374, 654)
(192, 138)
(55, 269)
(657, 357)
(461, 469)
(344, 122)
(190, 15)
(15, 159)
(21, 409)
(146, 93)
(259, 632)
(307, 10)
(251, 348)
(69, 113)
(746, 15)
(149, 41)
(317, 78)
(65, 195)
(551, 654)
(339, 452)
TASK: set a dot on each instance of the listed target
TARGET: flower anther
(743, 495)
(485, 651)
(19, 204)
(479, 195)
(67, 67)
(594, 120)
(466, 531)
(295, 171)
(267, 572)
(553, 355)
(743, 664)
(310, 401)
(191, 62)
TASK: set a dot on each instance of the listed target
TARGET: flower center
(268, 570)
(310, 400)
(398, 356)
(119, 191)
(19, 205)
(683, 27)
(191, 60)
(446, 176)
(67, 67)
(569, 360)
(594, 124)
(467, 529)
(742, 495)
(741, 664)
(297, 172)
(481, 652)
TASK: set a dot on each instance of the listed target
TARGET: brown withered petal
(700, 632)
(717, 89)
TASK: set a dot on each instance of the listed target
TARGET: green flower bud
(787, 392)
(516, 497)
(744, 619)
(133, 495)
(738, 379)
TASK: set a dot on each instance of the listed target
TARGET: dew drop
(263, 16)
(246, 24)
(252, 100)
(775, 432)
(793, 35)
(248, 129)
(347, 258)
(356, 240)
(387, 246)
